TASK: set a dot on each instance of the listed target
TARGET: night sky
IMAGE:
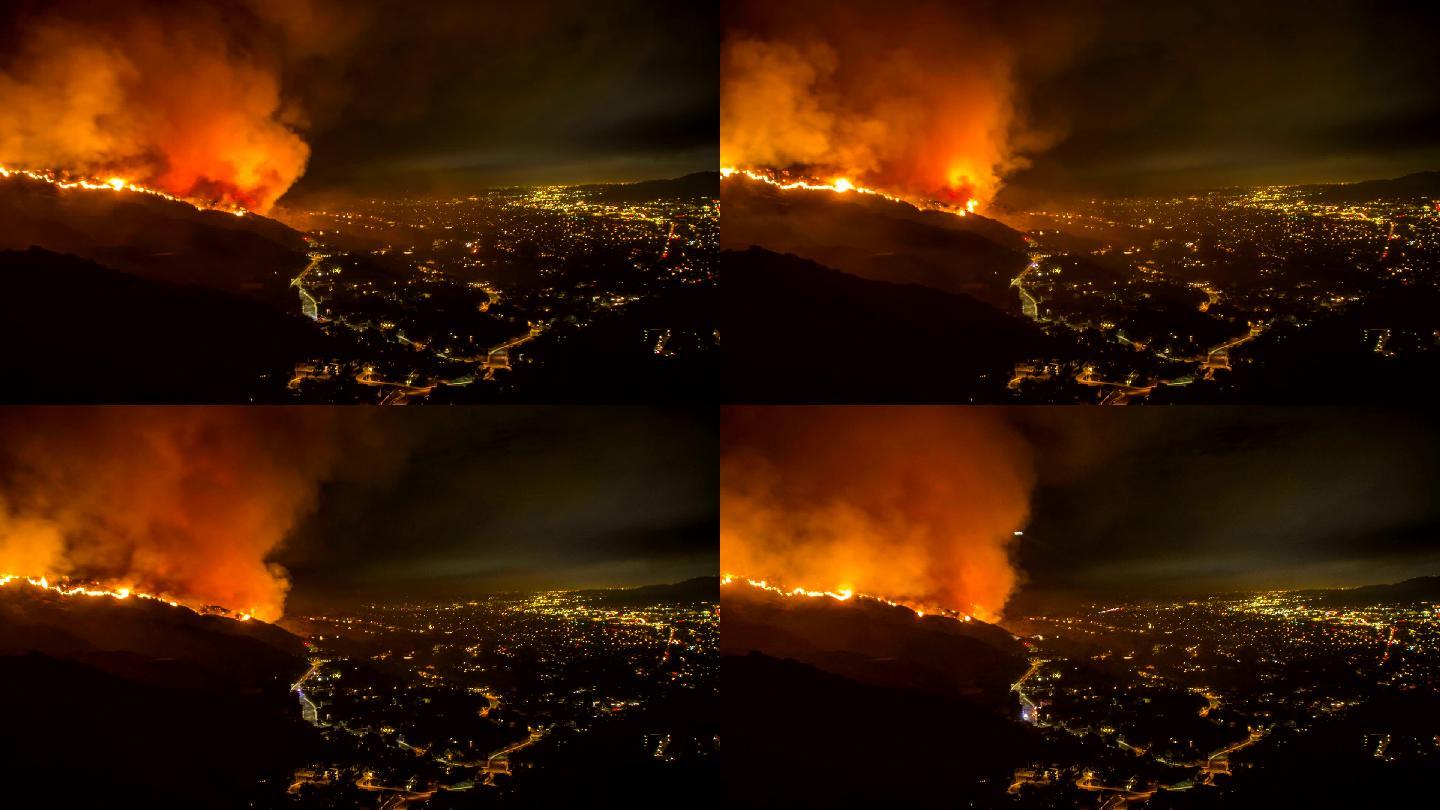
(1192, 95)
(1193, 500)
(1085, 96)
(468, 95)
(923, 502)
(235, 506)
(454, 502)
(375, 96)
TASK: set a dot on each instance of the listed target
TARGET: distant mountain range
(700, 185)
(699, 589)
(1419, 184)
(1418, 589)
(1036, 602)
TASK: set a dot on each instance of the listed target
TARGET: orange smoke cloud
(181, 502)
(918, 101)
(186, 99)
(916, 505)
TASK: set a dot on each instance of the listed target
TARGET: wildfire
(844, 594)
(843, 185)
(66, 181)
(121, 592)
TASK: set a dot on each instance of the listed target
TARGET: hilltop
(171, 708)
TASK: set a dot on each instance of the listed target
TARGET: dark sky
(1098, 95)
(455, 95)
(1197, 499)
(440, 502)
(357, 504)
(1185, 95)
(1111, 501)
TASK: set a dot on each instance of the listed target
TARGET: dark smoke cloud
(919, 503)
(185, 97)
(919, 99)
(256, 508)
(911, 504)
(186, 502)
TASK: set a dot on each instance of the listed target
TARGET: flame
(186, 504)
(193, 104)
(843, 185)
(65, 181)
(919, 100)
(119, 592)
(844, 594)
(913, 506)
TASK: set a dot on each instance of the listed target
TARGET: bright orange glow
(61, 180)
(917, 100)
(910, 506)
(843, 595)
(186, 505)
(839, 185)
(118, 592)
(186, 104)
(83, 590)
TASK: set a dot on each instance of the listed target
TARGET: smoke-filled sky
(916, 505)
(922, 503)
(1085, 96)
(238, 100)
(246, 507)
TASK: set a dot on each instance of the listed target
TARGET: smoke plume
(183, 97)
(188, 503)
(917, 505)
(917, 99)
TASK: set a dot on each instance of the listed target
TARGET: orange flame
(64, 181)
(918, 100)
(185, 504)
(846, 594)
(843, 185)
(912, 506)
(117, 592)
(190, 104)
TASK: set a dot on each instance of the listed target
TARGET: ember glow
(112, 184)
(916, 507)
(114, 592)
(186, 103)
(186, 505)
(840, 185)
(917, 102)
(844, 595)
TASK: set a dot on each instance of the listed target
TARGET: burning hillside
(916, 508)
(177, 505)
(187, 102)
(117, 592)
(844, 595)
(125, 695)
(840, 185)
(115, 184)
(916, 102)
